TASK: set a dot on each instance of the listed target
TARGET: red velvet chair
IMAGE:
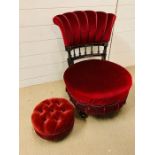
(96, 87)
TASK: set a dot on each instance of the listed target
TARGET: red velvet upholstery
(97, 83)
(53, 118)
(81, 27)
(96, 87)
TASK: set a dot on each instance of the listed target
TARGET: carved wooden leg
(83, 115)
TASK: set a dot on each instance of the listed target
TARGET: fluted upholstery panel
(85, 27)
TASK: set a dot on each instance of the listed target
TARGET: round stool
(97, 87)
(53, 118)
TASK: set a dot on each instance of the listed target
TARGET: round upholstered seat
(97, 87)
(53, 118)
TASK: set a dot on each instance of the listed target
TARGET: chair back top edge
(85, 28)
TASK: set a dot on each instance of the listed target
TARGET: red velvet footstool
(53, 118)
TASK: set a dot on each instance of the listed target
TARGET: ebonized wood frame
(75, 56)
(82, 108)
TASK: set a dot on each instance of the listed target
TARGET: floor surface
(93, 136)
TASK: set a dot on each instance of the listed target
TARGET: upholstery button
(51, 110)
(63, 110)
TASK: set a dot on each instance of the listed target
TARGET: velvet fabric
(53, 118)
(97, 82)
(96, 87)
(83, 27)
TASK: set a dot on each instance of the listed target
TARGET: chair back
(83, 30)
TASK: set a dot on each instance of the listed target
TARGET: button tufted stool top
(53, 118)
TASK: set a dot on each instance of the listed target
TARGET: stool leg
(83, 115)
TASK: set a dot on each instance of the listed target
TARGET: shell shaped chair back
(85, 27)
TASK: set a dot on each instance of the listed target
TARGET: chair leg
(83, 115)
